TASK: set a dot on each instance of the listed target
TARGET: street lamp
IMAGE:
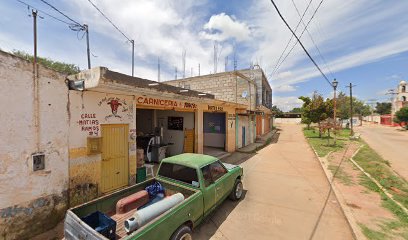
(334, 85)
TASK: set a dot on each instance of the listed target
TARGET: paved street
(285, 193)
(390, 143)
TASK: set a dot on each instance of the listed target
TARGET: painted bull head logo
(114, 104)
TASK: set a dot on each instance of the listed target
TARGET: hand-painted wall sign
(117, 106)
(89, 123)
(215, 108)
(165, 103)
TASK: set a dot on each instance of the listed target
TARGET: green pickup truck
(204, 181)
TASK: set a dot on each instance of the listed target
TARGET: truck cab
(204, 181)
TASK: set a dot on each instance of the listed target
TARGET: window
(207, 175)
(217, 170)
(403, 88)
(179, 173)
(404, 98)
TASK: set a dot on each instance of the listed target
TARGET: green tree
(55, 65)
(276, 110)
(315, 109)
(401, 116)
(383, 108)
(343, 107)
(296, 110)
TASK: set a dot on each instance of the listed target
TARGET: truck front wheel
(237, 190)
(182, 233)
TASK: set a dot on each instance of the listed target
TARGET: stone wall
(31, 201)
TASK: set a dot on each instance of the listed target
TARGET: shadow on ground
(240, 157)
(210, 225)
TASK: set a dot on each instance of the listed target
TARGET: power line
(291, 37)
(72, 20)
(298, 40)
(301, 34)
(313, 41)
(110, 21)
(45, 13)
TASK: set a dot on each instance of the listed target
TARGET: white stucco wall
(175, 136)
(18, 137)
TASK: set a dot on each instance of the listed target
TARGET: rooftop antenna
(183, 56)
(215, 56)
(235, 62)
(175, 72)
(226, 64)
(158, 69)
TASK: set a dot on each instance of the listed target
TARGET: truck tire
(182, 233)
(236, 192)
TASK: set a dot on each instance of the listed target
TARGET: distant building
(401, 99)
(249, 87)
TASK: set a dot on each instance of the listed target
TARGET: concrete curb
(355, 228)
(385, 191)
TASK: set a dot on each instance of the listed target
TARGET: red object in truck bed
(132, 202)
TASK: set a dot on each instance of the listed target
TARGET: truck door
(209, 190)
(218, 173)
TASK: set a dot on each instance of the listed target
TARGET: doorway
(115, 165)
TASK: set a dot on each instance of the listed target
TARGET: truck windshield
(178, 172)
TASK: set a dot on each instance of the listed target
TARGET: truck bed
(107, 205)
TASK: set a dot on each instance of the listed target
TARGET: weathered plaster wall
(88, 111)
(31, 202)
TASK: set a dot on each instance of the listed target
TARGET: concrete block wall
(31, 201)
(224, 86)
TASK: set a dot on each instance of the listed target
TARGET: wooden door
(258, 125)
(189, 140)
(115, 164)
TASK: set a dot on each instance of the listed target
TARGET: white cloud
(287, 103)
(221, 27)
(285, 88)
(348, 33)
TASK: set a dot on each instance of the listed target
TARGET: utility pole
(34, 14)
(175, 73)
(87, 45)
(392, 93)
(199, 70)
(36, 111)
(351, 108)
(133, 57)
(334, 85)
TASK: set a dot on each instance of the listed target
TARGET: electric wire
(298, 39)
(63, 14)
(45, 13)
(291, 37)
(313, 41)
(110, 21)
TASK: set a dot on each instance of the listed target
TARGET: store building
(65, 140)
(112, 114)
(248, 87)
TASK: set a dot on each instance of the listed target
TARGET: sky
(361, 42)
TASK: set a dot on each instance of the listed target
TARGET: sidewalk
(259, 143)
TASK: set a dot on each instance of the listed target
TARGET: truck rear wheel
(237, 190)
(182, 233)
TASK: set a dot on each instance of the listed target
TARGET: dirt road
(390, 143)
(285, 192)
